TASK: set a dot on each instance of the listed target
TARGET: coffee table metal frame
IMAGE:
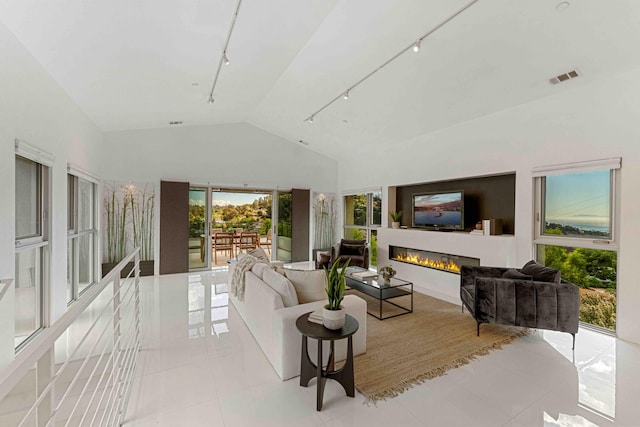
(383, 292)
(309, 370)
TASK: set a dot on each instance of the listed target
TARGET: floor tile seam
(407, 408)
(215, 399)
(177, 408)
(484, 396)
(173, 368)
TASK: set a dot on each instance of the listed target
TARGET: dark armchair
(515, 297)
(355, 250)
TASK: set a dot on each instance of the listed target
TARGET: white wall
(35, 109)
(224, 156)
(596, 120)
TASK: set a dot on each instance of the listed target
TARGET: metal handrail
(123, 357)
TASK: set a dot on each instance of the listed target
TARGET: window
(82, 264)
(578, 205)
(362, 218)
(32, 244)
(575, 233)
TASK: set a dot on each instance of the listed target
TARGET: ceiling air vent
(564, 77)
(175, 123)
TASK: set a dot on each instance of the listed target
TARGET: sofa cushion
(259, 267)
(260, 254)
(282, 286)
(310, 285)
(541, 273)
(512, 273)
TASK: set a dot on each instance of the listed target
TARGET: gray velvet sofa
(524, 301)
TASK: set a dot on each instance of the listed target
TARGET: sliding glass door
(199, 236)
(283, 229)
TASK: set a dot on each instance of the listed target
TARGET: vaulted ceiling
(135, 64)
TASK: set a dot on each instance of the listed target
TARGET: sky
(582, 196)
(438, 198)
(197, 198)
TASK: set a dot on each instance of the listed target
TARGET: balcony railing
(79, 371)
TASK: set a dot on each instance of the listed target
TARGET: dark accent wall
(174, 227)
(300, 212)
(485, 197)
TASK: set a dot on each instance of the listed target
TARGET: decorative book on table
(316, 317)
(361, 273)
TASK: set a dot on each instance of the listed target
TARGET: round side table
(309, 370)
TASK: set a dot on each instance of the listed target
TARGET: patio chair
(248, 241)
(267, 241)
(222, 242)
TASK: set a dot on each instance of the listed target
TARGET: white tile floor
(201, 367)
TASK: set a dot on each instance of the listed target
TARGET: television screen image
(442, 210)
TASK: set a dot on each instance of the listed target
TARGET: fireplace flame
(429, 262)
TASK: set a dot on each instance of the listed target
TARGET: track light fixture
(414, 45)
(224, 58)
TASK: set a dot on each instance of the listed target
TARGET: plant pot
(395, 224)
(333, 319)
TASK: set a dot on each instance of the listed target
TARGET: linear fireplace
(436, 260)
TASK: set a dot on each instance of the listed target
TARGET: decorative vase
(387, 276)
(333, 319)
(395, 224)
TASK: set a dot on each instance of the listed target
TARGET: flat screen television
(439, 211)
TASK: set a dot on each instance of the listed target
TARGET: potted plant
(387, 273)
(396, 216)
(333, 314)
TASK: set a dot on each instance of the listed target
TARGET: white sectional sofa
(273, 325)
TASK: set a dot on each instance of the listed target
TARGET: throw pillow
(259, 253)
(310, 285)
(282, 286)
(512, 273)
(278, 267)
(541, 273)
(258, 269)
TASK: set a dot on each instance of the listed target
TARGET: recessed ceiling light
(562, 6)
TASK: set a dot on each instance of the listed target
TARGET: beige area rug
(407, 350)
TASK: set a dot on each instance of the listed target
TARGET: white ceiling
(132, 64)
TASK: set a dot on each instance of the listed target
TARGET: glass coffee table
(381, 290)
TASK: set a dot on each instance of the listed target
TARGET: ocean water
(585, 226)
(437, 218)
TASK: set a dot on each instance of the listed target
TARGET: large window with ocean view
(575, 232)
(578, 205)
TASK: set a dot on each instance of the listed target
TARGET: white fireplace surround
(496, 251)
